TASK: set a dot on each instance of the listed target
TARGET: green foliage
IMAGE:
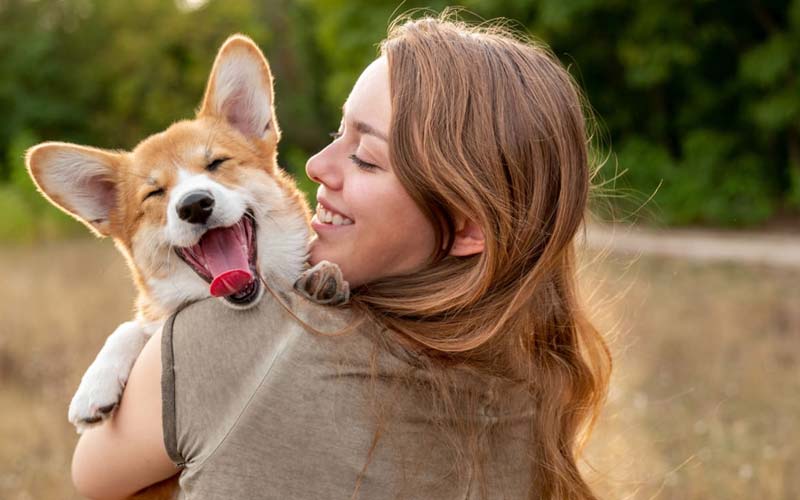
(296, 160)
(794, 190)
(700, 100)
(17, 222)
(15, 159)
(26, 215)
(348, 35)
(710, 185)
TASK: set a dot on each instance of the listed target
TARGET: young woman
(462, 163)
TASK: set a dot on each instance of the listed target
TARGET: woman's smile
(327, 215)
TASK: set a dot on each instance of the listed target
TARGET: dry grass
(58, 304)
(703, 403)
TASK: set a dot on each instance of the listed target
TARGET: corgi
(198, 210)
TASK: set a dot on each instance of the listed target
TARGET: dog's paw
(96, 399)
(324, 284)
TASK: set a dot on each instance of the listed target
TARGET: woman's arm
(126, 453)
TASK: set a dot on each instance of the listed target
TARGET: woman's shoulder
(274, 308)
(283, 341)
(279, 321)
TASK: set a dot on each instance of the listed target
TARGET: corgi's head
(201, 208)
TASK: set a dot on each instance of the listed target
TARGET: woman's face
(365, 220)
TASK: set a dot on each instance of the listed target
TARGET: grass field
(704, 401)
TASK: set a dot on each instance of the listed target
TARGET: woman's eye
(215, 164)
(362, 164)
(335, 135)
(156, 192)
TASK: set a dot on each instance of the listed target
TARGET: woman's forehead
(370, 100)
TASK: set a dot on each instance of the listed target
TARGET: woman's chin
(317, 253)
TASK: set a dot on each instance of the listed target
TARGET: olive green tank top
(255, 406)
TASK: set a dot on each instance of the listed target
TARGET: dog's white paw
(97, 396)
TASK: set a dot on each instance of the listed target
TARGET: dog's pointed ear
(239, 89)
(80, 180)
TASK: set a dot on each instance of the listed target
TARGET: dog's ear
(239, 89)
(80, 180)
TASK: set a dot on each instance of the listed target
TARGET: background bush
(699, 101)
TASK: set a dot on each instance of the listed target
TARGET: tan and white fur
(138, 198)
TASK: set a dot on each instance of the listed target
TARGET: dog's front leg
(101, 386)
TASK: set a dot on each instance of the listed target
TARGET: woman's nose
(322, 168)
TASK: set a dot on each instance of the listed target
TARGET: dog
(198, 210)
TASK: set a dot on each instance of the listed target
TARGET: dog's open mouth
(225, 257)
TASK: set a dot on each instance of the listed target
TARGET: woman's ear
(468, 239)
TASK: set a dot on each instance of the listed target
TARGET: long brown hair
(488, 125)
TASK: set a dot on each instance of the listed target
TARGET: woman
(462, 163)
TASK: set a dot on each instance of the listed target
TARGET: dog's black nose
(196, 207)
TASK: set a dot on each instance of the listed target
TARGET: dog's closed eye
(155, 192)
(215, 164)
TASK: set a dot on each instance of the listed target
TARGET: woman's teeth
(328, 217)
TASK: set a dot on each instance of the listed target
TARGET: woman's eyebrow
(365, 128)
(369, 130)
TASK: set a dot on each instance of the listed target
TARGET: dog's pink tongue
(230, 282)
(226, 258)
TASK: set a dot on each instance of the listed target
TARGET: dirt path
(781, 250)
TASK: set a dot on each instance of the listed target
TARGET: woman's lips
(326, 228)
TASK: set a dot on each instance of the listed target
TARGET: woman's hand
(127, 453)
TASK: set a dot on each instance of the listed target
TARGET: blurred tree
(701, 97)
(770, 72)
(108, 73)
(32, 75)
(148, 65)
